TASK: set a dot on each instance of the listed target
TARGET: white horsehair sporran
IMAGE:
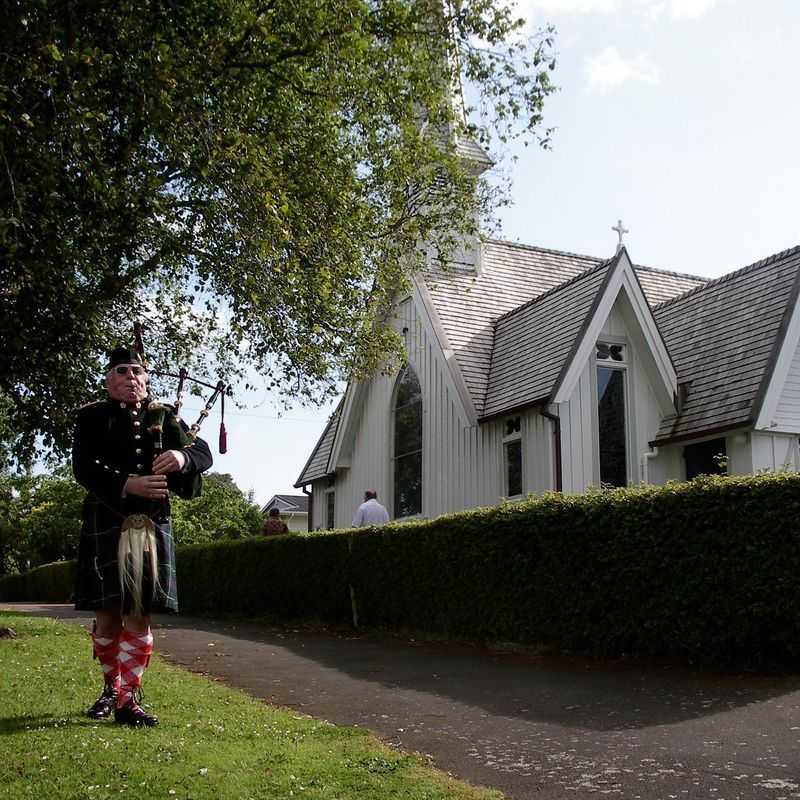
(137, 547)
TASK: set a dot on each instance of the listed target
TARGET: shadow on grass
(581, 692)
(38, 722)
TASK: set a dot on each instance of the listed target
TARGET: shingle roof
(532, 344)
(724, 337)
(512, 274)
(317, 464)
(296, 503)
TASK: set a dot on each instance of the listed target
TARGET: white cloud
(608, 70)
(651, 9)
(691, 9)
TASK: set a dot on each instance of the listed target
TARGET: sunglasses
(122, 370)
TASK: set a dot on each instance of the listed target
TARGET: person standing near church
(273, 524)
(129, 452)
(370, 512)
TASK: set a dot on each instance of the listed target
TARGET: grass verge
(217, 743)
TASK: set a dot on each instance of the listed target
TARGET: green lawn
(213, 742)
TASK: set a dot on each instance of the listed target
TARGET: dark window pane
(705, 458)
(408, 485)
(611, 424)
(409, 390)
(331, 508)
(408, 446)
(408, 429)
(513, 468)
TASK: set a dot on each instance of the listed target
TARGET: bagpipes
(218, 392)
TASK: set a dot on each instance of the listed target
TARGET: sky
(679, 117)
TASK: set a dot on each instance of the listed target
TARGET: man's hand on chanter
(169, 461)
(151, 487)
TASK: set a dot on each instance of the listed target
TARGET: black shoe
(134, 715)
(104, 704)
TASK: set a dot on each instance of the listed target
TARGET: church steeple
(455, 136)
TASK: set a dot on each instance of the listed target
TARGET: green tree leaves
(253, 179)
(39, 519)
(222, 511)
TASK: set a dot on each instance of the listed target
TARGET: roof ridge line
(538, 249)
(672, 272)
(554, 289)
(729, 276)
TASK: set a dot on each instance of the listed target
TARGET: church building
(532, 370)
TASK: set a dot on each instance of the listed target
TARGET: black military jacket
(112, 441)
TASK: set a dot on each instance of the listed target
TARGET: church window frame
(407, 440)
(612, 412)
(513, 458)
(330, 504)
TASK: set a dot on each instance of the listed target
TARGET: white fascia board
(591, 332)
(657, 348)
(334, 459)
(437, 333)
(622, 279)
(783, 363)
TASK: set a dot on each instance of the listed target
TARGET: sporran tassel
(137, 547)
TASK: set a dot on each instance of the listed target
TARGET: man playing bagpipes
(129, 452)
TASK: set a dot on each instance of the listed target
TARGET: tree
(40, 516)
(40, 519)
(222, 511)
(253, 178)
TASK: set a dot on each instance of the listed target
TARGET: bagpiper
(129, 452)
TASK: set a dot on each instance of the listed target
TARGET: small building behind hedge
(532, 370)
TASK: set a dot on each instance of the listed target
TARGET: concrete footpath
(533, 727)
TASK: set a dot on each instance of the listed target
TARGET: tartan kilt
(97, 584)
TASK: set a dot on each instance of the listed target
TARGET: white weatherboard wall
(462, 463)
(296, 522)
(787, 413)
(774, 452)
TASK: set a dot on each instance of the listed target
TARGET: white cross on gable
(621, 231)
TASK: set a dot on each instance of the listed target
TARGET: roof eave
(702, 434)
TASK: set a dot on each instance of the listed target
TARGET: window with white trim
(407, 450)
(612, 413)
(512, 457)
(330, 504)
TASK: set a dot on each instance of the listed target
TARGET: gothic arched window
(407, 451)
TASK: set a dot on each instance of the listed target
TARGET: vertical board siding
(787, 414)
(775, 452)
(579, 446)
(462, 463)
(578, 430)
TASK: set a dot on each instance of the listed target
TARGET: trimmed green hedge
(707, 571)
(49, 583)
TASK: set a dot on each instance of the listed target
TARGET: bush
(49, 583)
(705, 571)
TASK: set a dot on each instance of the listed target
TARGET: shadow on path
(543, 727)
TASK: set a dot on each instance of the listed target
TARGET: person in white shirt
(370, 512)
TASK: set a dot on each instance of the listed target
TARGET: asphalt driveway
(534, 727)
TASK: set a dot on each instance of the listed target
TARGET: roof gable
(540, 349)
(533, 343)
(287, 503)
(624, 287)
(317, 465)
(465, 304)
(725, 338)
